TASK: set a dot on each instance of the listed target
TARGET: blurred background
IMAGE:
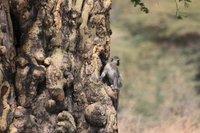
(160, 65)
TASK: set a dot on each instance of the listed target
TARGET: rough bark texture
(51, 55)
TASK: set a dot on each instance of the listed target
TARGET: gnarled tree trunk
(51, 55)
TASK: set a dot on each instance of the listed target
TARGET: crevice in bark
(17, 33)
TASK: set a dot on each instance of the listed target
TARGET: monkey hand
(114, 87)
(99, 79)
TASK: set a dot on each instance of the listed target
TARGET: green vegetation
(141, 4)
(160, 64)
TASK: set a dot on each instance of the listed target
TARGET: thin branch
(177, 8)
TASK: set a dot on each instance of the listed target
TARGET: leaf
(179, 17)
(141, 4)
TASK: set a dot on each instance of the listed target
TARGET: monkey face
(115, 60)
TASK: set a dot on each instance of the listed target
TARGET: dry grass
(173, 124)
(159, 62)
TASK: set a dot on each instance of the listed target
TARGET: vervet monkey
(115, 79)
(112, 72)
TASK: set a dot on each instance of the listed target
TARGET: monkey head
(115, 60)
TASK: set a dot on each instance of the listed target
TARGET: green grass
(159, 64)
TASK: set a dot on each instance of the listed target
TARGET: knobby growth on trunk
(51, 55)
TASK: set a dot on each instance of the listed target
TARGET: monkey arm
(103, 74)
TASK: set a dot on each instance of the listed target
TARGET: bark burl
(51, 55)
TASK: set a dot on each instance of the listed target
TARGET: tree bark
(51, 55)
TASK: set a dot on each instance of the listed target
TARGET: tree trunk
(51, 55)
